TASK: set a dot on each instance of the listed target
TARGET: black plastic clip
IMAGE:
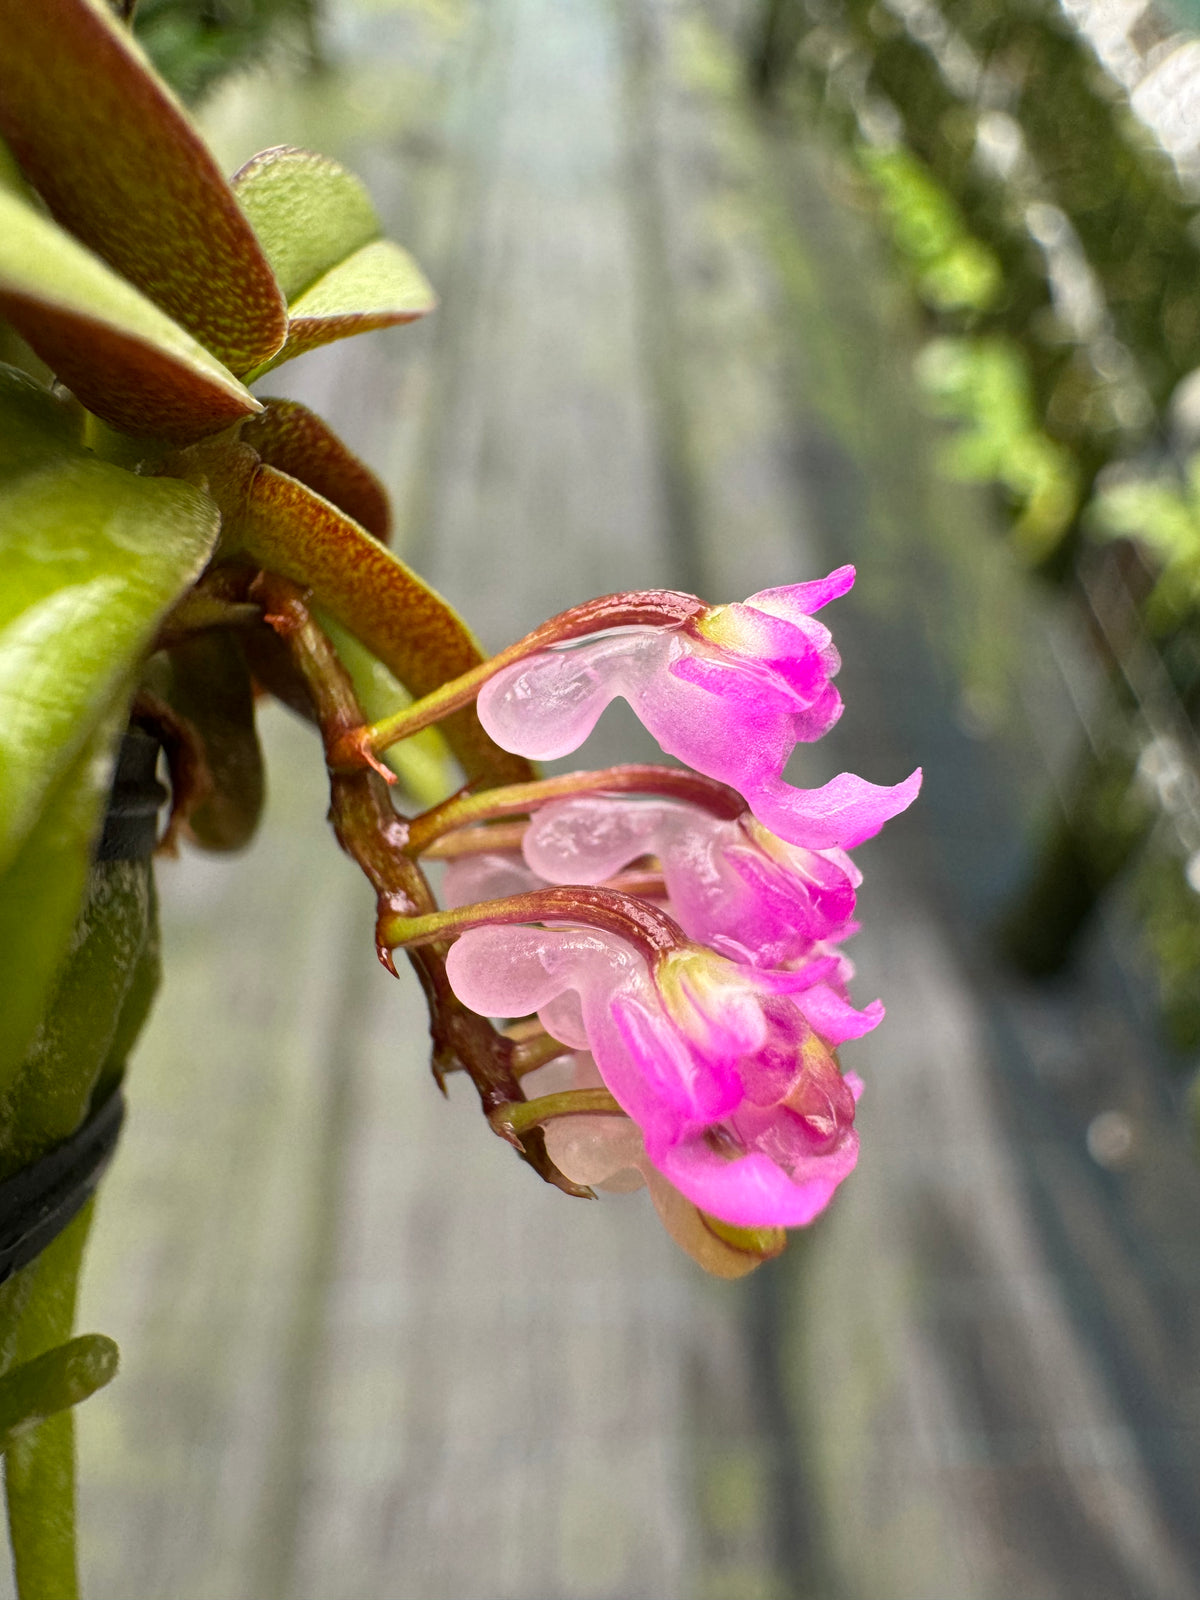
(37, 1203)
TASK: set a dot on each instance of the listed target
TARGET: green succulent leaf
(323, 237)
(294, 439)
(41, 891)
(91, 556)
(118, 162)
(377, 287)
(54, 1381)
(308, 211)
(403, 623)
(126, 360)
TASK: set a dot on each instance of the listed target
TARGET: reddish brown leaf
(128, 383)
(118, 163)
(294, 439)
(411, 629)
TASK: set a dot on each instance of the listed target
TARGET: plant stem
(522, 1115)
(371, 833)
(678, 783)
(39, 1468)
(647, 928)
(645, 608)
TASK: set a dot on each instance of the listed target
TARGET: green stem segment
(646, 608)
(463, 810)
(521, 1115)
(38, 1308)
(647, 928)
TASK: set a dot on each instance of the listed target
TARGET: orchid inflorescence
(665, 943)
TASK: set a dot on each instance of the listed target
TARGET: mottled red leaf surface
(291, 437)
(118, 162)
(409, 627)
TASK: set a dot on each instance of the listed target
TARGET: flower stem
(644, 926)
(475, 841)
(678, 783)
(372, 834)
(521, 1115)
(531, 1053)
(644, 608)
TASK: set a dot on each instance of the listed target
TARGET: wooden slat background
(366, 1356)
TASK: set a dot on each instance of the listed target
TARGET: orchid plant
(639, 968)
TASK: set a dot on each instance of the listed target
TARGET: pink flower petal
(834, 1018)
(751, 1191)
(796, 600)
(843, 813)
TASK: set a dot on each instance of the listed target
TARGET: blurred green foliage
(1056, 256)
(196, 43)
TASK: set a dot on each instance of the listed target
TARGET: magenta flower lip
(731, 884)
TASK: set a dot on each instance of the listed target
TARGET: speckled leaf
(308, 211)
(118, 163)
(125, 359)
(403, 622)
(294, 439)
(91, 556)
(376, 287)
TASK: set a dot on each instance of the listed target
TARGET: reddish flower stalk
(461, 810)
(642, 925)
(369, 830)
(639, 608)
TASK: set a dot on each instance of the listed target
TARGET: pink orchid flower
(737, 1094)
(609, 1153)
(730, 691)
(730, 884)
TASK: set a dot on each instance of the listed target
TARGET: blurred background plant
(196, 43)
(1052, 241)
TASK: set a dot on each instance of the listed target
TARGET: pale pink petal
(487, 876)
(597, 1150)
(546, 705)
(588, 839)
(797, 600)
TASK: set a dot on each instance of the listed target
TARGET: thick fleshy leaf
(323, 238)
(91, 556)
(403, 622)
(41, 892)
(308, 211)
(294, 439)
(377, 287)
(125, 359)
(118, 162)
